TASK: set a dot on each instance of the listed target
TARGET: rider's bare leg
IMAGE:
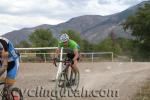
(2, 70)
(7, 87)
(74, 67)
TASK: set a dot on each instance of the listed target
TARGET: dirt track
(123, 78)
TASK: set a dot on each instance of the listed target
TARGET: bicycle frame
(60, 64)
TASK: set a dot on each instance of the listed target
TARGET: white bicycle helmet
(64, 37)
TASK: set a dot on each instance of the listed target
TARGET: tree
(42, 38)
(139, 24)
(86, 46)
(108, 46)
(23, 44)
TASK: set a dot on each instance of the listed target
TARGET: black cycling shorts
(71, 56)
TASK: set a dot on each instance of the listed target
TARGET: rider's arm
(57, 52)
(5, 54)
(5, 58)
(76, 54)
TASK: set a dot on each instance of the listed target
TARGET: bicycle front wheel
(60, 86)
(16, 94)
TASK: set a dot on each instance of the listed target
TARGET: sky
(17, 14)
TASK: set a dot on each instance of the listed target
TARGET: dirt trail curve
(121, 78)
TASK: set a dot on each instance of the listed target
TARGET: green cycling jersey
(72, 45)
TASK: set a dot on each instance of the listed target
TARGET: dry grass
(144, 93)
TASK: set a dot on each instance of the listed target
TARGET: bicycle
(65, 79)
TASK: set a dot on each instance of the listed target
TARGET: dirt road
(107, 80)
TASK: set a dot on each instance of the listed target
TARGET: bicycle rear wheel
(74, 80)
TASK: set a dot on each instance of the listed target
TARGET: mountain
(94, 28)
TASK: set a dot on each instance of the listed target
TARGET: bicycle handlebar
(63, 61)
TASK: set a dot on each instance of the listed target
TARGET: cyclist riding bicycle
(72, 50)
(9, 61)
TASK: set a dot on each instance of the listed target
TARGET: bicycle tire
(15, 89)
(12, 97)
(58, 88)
(76, 78)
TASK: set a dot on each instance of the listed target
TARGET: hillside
(94, 28)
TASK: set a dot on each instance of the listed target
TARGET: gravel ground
(99, 81)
